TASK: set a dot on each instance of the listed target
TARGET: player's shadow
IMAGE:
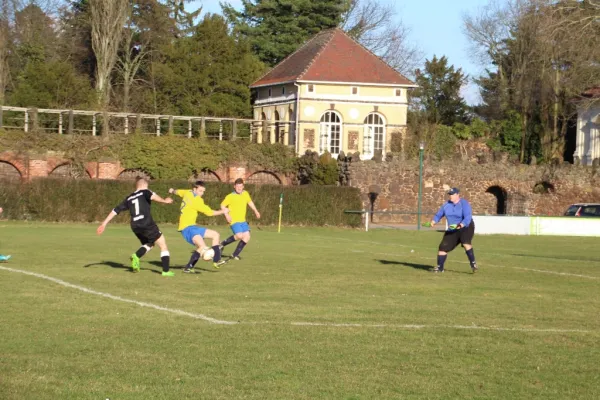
(407, 264)
(422, 267)
(197, 267)
(117, 265)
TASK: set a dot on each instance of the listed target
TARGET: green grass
(321, 314)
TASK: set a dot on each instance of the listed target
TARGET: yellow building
(333, 95)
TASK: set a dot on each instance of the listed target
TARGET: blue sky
(436, 27)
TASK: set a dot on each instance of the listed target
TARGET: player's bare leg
(165, 256)
(244, 238)
(216, 246)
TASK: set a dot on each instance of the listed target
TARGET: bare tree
(7, 12)
(132, 56)
(546, 55)
(107, 21)
(378, 27)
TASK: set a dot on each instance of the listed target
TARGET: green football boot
(168, 273)
(135, 263)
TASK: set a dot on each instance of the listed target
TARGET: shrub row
(69, 200)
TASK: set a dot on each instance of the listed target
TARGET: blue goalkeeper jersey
(455, 214)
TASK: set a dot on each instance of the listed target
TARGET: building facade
(587, 148)
(332, 95)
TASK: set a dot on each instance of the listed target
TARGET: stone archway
(501, 198)
(263, 178)
(205, 175)
(132, 173)
(543, 187)
(9, 172)
(278, 132)
(69, 170)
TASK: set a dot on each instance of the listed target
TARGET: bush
(318, 170)
(69, 200)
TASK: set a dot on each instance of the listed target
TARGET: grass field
(306, 314)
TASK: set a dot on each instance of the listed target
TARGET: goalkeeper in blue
(461, 229)
(237, 203)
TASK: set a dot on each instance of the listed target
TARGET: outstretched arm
(227, 216)
(159, 199)
(108, 218)
(178, 192)
(223, 210)
(438, 215)
(253, 207)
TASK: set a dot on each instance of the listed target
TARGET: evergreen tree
(276, 28)
(207, 73)
(438, 93)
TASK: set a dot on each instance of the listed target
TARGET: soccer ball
(207, 254)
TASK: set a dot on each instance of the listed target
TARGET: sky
(436, 28)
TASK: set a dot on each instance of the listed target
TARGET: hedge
(84, 200)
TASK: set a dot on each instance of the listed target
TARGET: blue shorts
(191, 231)
(240, 227)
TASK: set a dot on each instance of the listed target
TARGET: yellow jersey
(191, 205)
(237, 203)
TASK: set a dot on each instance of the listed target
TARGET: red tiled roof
(332, 56)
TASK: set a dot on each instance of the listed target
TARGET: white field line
(124, 300)
(462, 262)
(313, 324)
(472, 327)
(329, 238)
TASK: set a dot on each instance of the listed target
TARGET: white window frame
(331, 130)
(372, 128)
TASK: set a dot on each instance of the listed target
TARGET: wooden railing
(108, 122)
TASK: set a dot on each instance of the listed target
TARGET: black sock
(239, 248)
(141, 251)
(441, 260)
(227, 241)
(193, 259)
(217, 256)
(471, 255)
(165, 259)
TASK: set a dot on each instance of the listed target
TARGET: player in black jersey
(142, 224)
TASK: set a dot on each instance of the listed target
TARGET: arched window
(374, 135)
(330, 138)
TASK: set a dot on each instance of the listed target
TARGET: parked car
(583, 210)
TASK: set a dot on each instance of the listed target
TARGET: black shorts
(463, 236)
(147, 234)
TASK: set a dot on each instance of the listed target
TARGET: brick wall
(38, 166)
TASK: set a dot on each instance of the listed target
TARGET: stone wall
(494, 188)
